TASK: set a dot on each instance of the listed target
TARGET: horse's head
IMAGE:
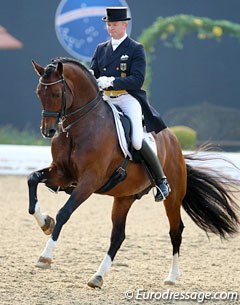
(67, 91)
(55, 96)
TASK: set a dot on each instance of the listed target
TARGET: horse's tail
(209, 201)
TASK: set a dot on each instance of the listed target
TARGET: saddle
(127, 127)
(124, 132)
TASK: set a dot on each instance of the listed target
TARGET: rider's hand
(104, 82)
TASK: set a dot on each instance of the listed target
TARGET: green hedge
(26, 136)
(186, 136)
(10, 135)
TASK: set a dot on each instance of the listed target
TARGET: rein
(84, 110)
(62, 116)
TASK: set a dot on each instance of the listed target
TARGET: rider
(119, 65)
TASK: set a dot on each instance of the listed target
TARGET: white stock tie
(115, 44)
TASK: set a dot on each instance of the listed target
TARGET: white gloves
(104, 82)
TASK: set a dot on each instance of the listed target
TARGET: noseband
(62, 115)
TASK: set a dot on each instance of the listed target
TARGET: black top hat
(116, 14)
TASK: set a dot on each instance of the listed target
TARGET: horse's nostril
(48, 134)
(51, 133)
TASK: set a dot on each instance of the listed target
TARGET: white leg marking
(49, 248)
(39, 216)
(104, 266)
(174, 272)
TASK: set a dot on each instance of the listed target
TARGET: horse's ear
(59, 68)
(40, 70)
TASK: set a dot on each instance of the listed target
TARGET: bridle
(56, 114)
(62, 115)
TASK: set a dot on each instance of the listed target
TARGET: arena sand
(207, 265)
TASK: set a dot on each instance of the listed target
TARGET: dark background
(204, 71)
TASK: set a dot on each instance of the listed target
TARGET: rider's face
(117, 29)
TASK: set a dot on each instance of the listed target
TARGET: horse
(85, 153)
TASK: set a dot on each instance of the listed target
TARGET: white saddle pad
(121, 135)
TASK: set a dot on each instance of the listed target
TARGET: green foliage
(172, 30)
(11, 135)
(186, 136)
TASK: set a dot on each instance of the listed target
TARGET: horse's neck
(82, 87)
(84, 92)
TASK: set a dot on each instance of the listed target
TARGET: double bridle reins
(62, 115)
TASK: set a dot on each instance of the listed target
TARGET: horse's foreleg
(45, 222)
(62, 217)
(120, 210)
(176, 229)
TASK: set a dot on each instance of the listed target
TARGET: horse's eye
(56, 95)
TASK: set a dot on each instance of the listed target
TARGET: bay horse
(85, 153)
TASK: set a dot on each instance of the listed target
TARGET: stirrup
(159, 192)
(162, 195)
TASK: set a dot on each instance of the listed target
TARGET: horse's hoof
(49, 225)
(96, 282)
(171, 279)
(169, 282)
(44, 262)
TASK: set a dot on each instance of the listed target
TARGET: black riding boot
(155, 167)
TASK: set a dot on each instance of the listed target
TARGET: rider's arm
(94, 64)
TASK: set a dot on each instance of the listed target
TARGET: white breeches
(132, 108)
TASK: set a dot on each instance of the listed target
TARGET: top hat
(116, 14)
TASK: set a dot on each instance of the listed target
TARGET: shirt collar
(116, 42)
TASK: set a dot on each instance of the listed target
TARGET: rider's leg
(131, 107)
(155, 167)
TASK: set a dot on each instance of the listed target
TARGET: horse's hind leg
(176, 229)
(120, 210)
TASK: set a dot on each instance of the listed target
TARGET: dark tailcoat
(128, 65)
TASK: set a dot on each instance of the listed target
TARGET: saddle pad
(121, 134)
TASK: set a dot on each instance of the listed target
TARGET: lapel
(111, 55)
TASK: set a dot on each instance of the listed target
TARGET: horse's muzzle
(48, 133)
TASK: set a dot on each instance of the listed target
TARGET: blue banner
(79, 26)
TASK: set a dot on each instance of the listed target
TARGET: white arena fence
(24, 159)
